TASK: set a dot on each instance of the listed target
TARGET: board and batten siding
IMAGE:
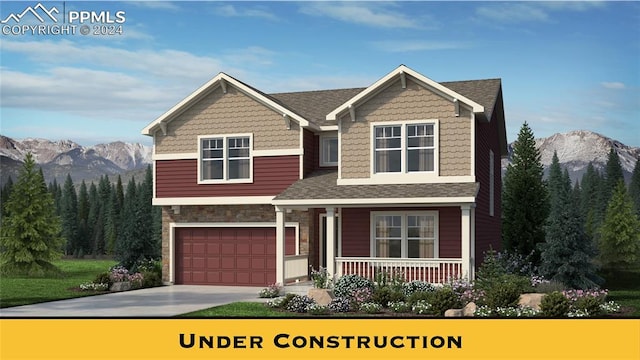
(271, 175)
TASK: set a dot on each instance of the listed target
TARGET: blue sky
(564, 65)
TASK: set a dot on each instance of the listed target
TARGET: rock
(531, 300)
(469, 309)
(453, 313)
(321, 296)
(121, 286)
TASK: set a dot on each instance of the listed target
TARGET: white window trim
(404, 214)
(225, 160)
(414, 175)
(324, 137)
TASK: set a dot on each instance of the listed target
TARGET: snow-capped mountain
(57, 158)
(577, 148)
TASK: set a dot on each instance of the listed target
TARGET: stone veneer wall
(229, 214)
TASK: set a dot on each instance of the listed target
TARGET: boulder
(321, 296)
(453, 313)
(121, 286)
(531, 300)
(469, 309)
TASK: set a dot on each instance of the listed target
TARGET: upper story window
(225, 159)
(329, 151)
(404, 148)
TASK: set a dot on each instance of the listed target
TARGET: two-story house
(401, 176)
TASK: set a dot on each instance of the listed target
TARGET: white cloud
(244, 11)
(160, 5)
(418, 45)
(613, 85)
(364, 13)
(535, 11)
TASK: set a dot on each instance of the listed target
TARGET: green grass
(624, 288)
(16, 291)
(238, 309)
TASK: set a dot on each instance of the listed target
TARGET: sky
(564, 65)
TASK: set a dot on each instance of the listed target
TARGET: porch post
(466, 240)
(280, 242)
(331, 241)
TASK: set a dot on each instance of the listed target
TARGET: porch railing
(296, 266)
(437, 271)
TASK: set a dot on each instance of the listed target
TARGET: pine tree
(591, 197)
(104, 195)
(30, 234)
(620, 232)
(151, 248)
(56, 192)
(4, 196)
(130, 246)
(525, 199)
(566, 254)
(69, 216)
(93, 228)
(84, 236)
(111, 224)
(634, 187)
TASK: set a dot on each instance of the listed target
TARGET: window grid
(407, 235)
(232, 162)
(406, 148)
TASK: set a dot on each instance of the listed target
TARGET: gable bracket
(287, 121)
(403, 79)
(163, 127)
(456, 106)
(352, 112)
(223, 84)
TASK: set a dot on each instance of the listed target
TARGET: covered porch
(420, 238)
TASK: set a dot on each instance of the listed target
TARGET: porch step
(299, 288)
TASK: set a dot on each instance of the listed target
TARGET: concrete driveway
(165, 301)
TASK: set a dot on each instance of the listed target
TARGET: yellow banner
(319, 339)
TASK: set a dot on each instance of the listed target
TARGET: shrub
(103, 278)
(415, 286)
(592, 305)
(136, 280)
(151, 279)
(394, 280)
(270, 292)
(399, 307)
(520, 311)
(347, 283)
(385, 295)
(442, 300)
(505, 290)
(300, 303)
(370, 308)
(361, 295)
(321, 278)
(419, 295)
(422, 307)
(610, 307)
(147, 265)
(119, 273)
(280, 302)
(340, 305)
(476, 296)
(555, 305)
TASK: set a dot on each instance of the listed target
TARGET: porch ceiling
(320, 188)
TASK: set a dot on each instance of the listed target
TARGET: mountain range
(57, 158)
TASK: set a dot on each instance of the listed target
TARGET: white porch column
(466, 240)
(280, 243)
(331, 241)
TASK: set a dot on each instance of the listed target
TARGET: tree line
(96, 220)
(570, 231)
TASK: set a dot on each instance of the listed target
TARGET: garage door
(228, 256)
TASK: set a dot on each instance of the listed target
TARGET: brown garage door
(228, 256)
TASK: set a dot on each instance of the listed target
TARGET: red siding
(271, 175)
(356, 228)
(488, 228)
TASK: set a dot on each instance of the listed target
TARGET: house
(401, 176)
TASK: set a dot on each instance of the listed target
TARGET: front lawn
(239, 309)
(16, 291)
(624, 288)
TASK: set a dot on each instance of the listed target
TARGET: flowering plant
(94, 286)
(422, 307)
(321, 278)
(370, 307)
(270, 292)
(317, 309)
(119, 273)
(136, 280)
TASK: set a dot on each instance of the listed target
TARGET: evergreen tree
(30, 234)
(525, 199)
(94, 229)
(104, 195)
(119, 194)
(84, 244)
(634, 187)
(620, 232)
(145, 197)
(112, 222)
(130, 246)
(56, 192)
(590, 202)
(69, 216)
(4, 196)
(566, 255)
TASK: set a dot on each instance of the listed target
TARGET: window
(405, 235)
(329, 151)
(226, 158)
(405, 148)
